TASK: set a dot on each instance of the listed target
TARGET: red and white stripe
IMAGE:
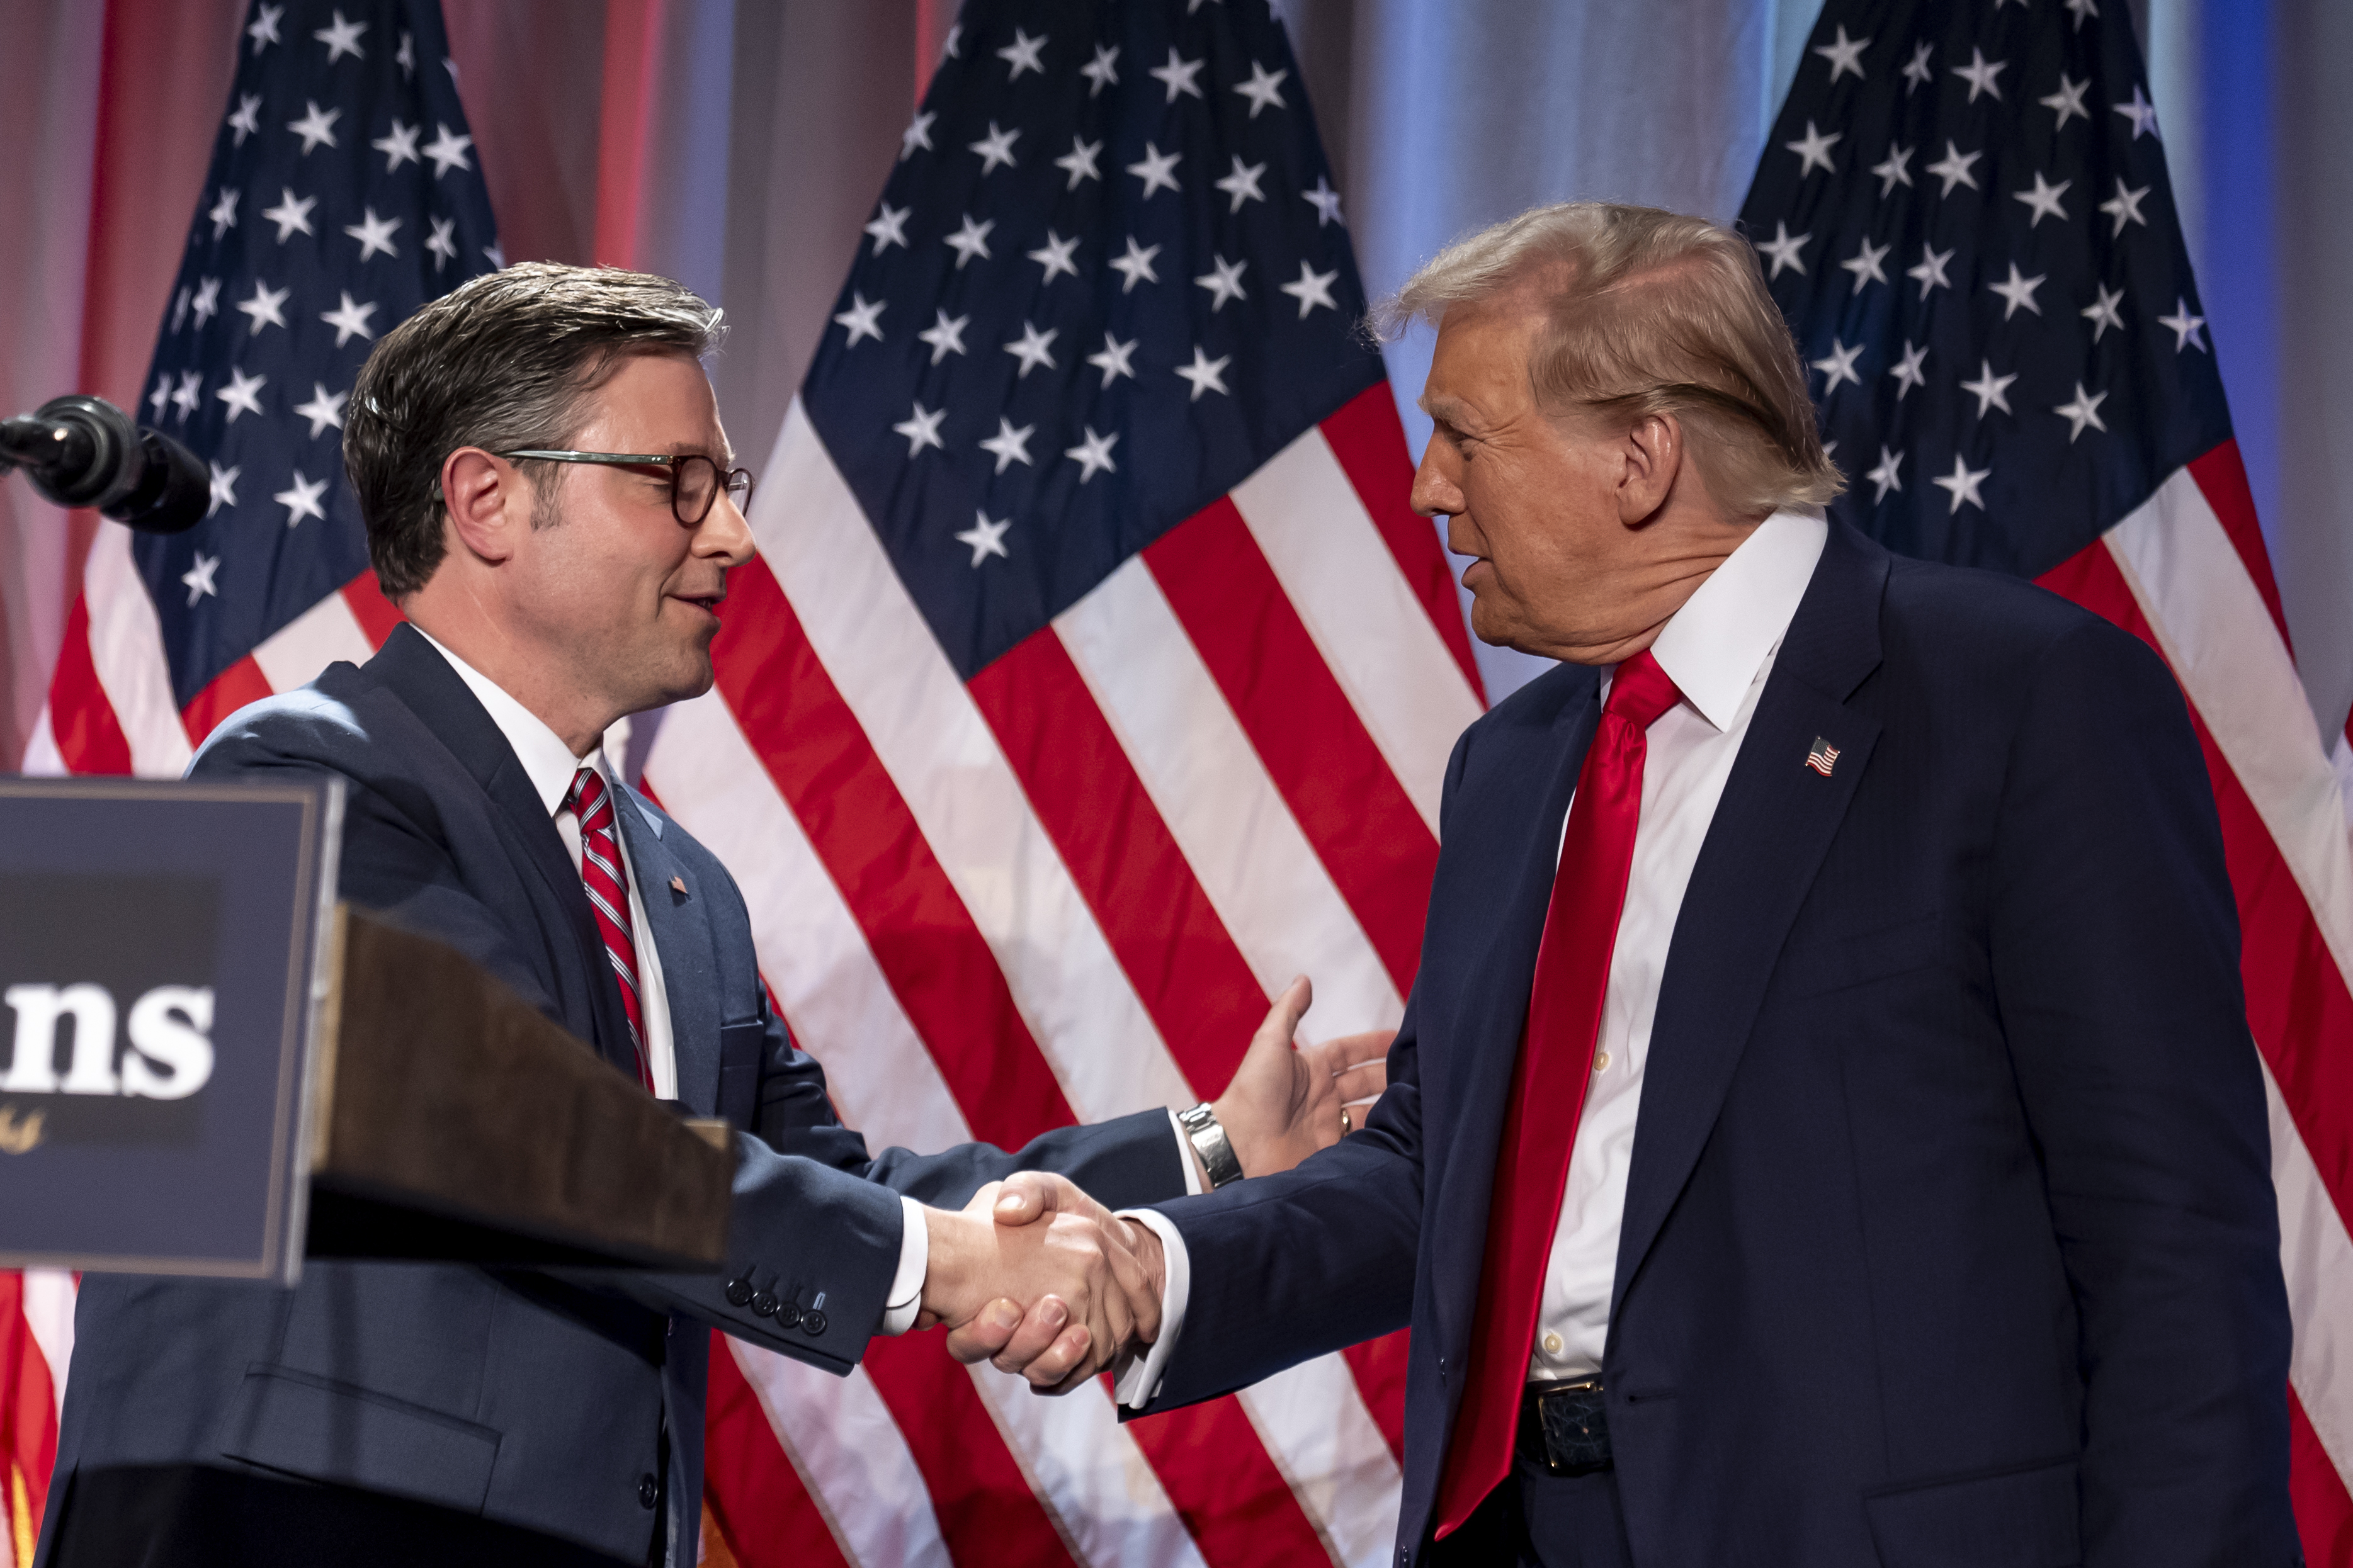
(36, 1332)
(2187, 571)
(111, 709)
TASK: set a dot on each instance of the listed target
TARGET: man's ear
(485, 502)
(1650, 456)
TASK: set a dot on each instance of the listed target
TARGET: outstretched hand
(1284, 1101)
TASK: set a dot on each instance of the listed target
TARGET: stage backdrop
(743, 151)
(741, 147)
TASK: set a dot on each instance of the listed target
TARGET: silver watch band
(1209, 1141)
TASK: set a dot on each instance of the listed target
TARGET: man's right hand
(1040, 1279)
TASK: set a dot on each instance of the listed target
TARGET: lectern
(213, 1067)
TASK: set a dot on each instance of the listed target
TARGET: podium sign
(160, 962)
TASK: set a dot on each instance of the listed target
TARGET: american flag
(342, 193)
(1965, 214)
(1094, 678)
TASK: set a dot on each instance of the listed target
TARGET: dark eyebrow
(725, 458)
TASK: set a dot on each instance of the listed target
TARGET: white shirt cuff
(1185, 1157)
(906, 1297)
(1135, 1381)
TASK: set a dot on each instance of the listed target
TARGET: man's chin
(687, 677)
(694, 681)
(1491, 626)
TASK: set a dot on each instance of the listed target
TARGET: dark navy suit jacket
(1950, 1236)
(519, 1396)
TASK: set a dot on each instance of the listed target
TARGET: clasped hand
(1040, 1280)
(1092, 1289)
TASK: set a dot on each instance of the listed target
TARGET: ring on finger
(1348, 1124)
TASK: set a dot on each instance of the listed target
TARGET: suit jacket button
(739, 1292)
(812, 1323)
(1441, 1366)
(647, 1491)
(788, 1315)
(763, 1303)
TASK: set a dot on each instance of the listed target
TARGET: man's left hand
(1285, 1100)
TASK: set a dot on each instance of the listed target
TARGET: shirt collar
(546, 761)
(1713, 647)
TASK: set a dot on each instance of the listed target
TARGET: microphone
(84, 451)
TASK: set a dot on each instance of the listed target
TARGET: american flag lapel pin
(1823, 757)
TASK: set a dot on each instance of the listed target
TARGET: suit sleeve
(1123, 1161)
(1287, 1267)
(2115, 950)
(1129, 1160)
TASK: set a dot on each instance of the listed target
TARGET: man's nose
(724, 531)
(1434, 494)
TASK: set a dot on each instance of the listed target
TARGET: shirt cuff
(1185, 1157)
(906, 1297)
(1136, 1380)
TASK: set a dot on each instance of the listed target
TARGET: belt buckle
(1575, 1425)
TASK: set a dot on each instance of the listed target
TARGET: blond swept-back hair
(1649, 312)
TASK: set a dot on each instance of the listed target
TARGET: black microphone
(84, 451)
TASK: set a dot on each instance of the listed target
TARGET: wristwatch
(1209, 1141)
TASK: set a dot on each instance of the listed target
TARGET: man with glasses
(552, 501)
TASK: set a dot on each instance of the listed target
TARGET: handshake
(1092, 1282)
(1040, 1280)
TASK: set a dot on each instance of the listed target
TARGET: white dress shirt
(550, 767)
(1718, 649)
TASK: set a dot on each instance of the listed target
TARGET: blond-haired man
(1824, 1131)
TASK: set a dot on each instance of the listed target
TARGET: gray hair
(504, 361)
(1649, 312)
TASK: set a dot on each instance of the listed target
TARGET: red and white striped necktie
(608, 900)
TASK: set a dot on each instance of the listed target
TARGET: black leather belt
(1565, 1427)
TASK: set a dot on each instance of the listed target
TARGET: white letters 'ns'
(170, 1029)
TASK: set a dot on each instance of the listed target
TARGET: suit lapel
(1495, 998)
(1771, 829)
(676, 920)
(411, 669)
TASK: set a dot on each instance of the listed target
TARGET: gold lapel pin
(677, 886)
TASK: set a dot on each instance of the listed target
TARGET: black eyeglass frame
(674, 461)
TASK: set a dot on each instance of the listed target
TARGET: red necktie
(1548, 1089)
(608, 898)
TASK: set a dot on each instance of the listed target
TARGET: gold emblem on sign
(20, 1134)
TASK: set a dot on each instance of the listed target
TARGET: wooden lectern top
(453, 1119)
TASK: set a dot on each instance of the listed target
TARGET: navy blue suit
(543, 1406)
(1950, 1235)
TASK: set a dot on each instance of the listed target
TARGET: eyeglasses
(694, 479)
